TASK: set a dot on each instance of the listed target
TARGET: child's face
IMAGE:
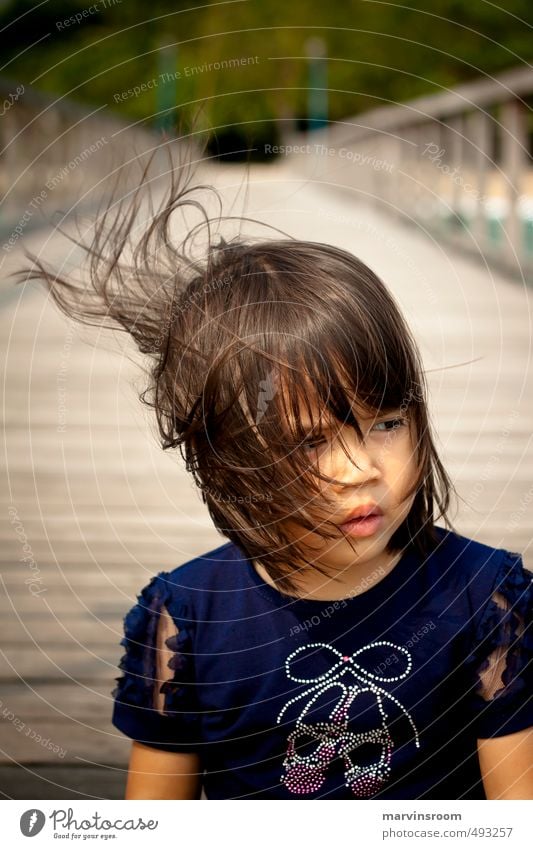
(386, 467)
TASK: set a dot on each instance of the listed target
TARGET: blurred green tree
(244, 61)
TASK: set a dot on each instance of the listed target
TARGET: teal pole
(317, 90)
(166, 90)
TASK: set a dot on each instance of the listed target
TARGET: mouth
(363, 511)
(364, 521)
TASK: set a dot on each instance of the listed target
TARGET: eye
(394, 425)
(312, 444)
(387, 426)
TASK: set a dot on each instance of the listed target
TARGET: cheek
(311, 539)
(400, 469)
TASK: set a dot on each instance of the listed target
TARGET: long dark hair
(237, 339)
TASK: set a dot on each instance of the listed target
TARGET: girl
(339, 644)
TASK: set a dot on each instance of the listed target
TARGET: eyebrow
(330, 424)
(306, 423)
(320, 426)
(317, 429)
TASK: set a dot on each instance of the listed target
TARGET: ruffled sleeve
(500, 666)
(155, 696)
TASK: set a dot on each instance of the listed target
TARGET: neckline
(385, 586)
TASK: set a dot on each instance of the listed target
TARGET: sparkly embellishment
(323, 741)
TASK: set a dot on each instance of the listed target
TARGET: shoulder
(188, 590)
(464, 554)
(469, 566)
(208, 571)
(217, 572)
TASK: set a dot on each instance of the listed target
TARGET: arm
(157, 774)
(506, 765)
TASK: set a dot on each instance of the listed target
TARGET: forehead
(313, 412)
(326, 419)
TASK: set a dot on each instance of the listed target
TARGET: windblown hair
(240, 343)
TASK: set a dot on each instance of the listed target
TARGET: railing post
(317, 92)
(393, 156)
(479, 127)
(456, 125)
(413, 147)
(514, 147)
(166, 89)
(8, 159)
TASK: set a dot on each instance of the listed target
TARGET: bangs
(338, 387)
(337, 373)
(330, 351)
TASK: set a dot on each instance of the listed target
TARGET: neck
(351, 581)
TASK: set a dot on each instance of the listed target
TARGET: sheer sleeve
(501, 662)
(154, 697)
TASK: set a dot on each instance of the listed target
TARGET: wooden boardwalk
(92, 508)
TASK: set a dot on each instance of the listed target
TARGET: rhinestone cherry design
(305, 773)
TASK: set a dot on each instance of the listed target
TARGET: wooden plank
(37, 699)
(68, 781)
(66, 740)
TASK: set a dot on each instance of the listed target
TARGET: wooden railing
(458, 163)
(56, 156)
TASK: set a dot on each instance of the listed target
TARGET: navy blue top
(379, 695)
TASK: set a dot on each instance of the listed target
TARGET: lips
(368, 509)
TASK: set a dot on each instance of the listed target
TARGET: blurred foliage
(378, 53)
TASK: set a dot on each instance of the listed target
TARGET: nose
(360, 466)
